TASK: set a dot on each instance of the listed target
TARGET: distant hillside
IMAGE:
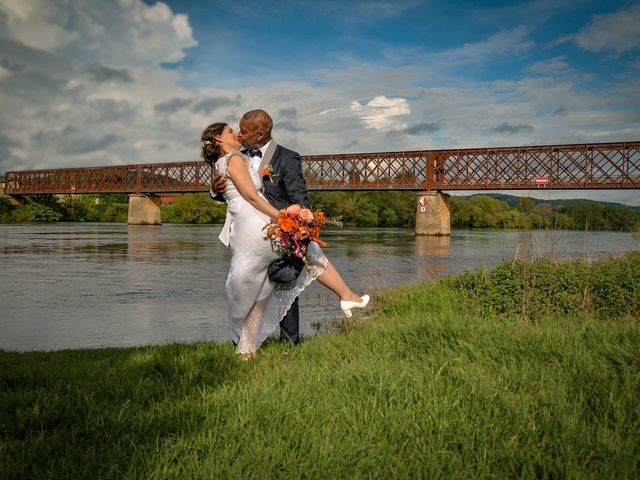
(506, 211)
(513, 200)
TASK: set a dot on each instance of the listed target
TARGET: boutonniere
(267, 172)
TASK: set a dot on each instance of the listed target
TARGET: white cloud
(414, 66)
(382, 113)
(504, 43)
(552, 65)
(618, 32)
(66, 103)
(30, 23)
(113, 33)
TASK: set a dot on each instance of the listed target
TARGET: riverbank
(437, 383)
(386, 209)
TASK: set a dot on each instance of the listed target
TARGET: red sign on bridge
(542, 181)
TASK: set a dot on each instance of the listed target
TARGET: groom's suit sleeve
(216, 196)
(294, 181)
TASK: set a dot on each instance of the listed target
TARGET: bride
(256, 305)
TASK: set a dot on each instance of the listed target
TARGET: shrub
(5, 208)
(194, 208)
(36, 212)
(532, 290)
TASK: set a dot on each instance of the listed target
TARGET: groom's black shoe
(286, 339)
(290, 325)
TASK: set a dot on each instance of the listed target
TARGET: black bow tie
(254, 152)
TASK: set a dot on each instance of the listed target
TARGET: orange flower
(319, 242)
(268, 172)
(286, 223)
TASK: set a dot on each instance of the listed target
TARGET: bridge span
(575, 166)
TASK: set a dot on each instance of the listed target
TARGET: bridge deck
(579, 166)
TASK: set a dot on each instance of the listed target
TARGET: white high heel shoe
(347, 305)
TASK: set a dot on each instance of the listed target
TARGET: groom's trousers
(290, 325)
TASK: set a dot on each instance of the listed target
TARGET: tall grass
(433, 385)
(604, 289)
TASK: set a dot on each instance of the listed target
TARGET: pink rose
(293, 210)
(305, 215)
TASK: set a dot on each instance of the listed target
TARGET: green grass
(433, 385)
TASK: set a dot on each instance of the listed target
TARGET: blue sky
(305, 38)
(87, 83)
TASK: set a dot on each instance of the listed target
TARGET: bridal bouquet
(290, 236)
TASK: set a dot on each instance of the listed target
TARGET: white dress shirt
(255, 160)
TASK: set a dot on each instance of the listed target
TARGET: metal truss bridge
(579, 166)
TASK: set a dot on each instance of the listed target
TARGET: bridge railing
(142, 178)
(583, 166)
(367, 171)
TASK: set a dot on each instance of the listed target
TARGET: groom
(285, 186)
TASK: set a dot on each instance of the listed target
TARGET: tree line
(483, 211)
(360, 209)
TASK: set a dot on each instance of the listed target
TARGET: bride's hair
(210, 149)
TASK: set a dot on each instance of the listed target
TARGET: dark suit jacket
(288, 184)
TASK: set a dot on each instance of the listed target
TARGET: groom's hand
(218, 184)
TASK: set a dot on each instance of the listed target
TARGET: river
(77, 285)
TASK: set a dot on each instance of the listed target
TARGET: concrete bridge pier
(433, 216)
(144, 209)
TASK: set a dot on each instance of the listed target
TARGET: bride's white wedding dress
(256, 305)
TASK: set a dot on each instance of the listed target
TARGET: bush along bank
(608, 288)
(185, 208)
(69, 208)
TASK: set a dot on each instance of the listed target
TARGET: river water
(77, 285)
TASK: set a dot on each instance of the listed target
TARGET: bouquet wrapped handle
(285, 269)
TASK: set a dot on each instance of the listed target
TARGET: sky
(112, 82)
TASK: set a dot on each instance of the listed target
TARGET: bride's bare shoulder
(236, 156)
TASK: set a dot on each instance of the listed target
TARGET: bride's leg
(248, 344)
(331, 279)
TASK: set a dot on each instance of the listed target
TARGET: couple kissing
(258, 178)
